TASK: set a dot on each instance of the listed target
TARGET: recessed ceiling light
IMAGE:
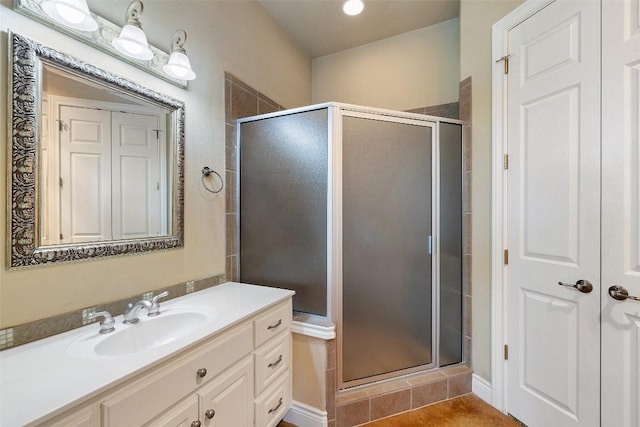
(353, 7)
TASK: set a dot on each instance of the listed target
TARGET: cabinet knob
(209, 413)
(196, 424)
(202, 372)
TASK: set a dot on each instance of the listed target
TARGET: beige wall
(411, 70)
(235, 36)
(476, 19)
(309, 371)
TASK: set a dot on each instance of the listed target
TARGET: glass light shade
(70, 13)
(179, 67)
(133, 43)
(353, 7)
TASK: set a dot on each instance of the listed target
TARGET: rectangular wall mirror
(96, 161)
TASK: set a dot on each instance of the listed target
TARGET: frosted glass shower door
(283, 205)
(387, 266)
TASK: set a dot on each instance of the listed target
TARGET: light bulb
(70, 13)
(353, 7)
(133, 42)
(179, 67)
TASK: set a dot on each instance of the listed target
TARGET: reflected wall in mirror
(96, 161)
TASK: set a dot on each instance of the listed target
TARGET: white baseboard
(481, 388)
(304, 415)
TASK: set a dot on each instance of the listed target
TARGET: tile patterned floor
(465, 411)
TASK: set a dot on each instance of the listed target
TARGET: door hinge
(506, 352)
(157, 131)
(506, 257)
(61, 236)
(505, 59)
(506, 161)
(60, 181)
(157, 185)
(61, 125)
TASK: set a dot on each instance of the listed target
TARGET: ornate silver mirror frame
(23, 207)
(100, 39)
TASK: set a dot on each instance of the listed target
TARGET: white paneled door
(573, 202)
(85, 175)
(110, 175)
(620, 217)
(553, 217)
(136, 175)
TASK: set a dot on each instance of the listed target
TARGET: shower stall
(359, 210)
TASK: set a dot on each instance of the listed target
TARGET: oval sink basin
(150, 332)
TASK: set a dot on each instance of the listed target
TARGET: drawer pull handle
(202, 372)
(196, 424)
(275, 325)
(276, 363)
(210, 413)
(272, 410)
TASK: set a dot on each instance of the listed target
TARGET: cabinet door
(184, 414)
(228, 400)
(87, 417)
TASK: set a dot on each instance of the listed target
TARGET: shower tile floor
(464, 411)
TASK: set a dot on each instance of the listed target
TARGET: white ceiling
(321, 28)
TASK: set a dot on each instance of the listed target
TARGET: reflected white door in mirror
(107, 173)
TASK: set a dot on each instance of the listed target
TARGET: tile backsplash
(42, 328)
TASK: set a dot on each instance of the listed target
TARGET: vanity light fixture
(132, 41)
(353, 7)
(178, 65)
(70, 13)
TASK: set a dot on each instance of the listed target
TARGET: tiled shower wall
(352, 407)
(241, 100)
(450, 110)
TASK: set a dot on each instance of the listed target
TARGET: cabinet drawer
(274, 402)
(182, 415)
(272, 359)
(273, 322)
(158, 391)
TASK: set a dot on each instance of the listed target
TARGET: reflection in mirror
(96, 161)
(103, 163)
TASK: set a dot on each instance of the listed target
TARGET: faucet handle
(155, 306)
(107, 325)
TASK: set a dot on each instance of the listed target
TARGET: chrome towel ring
(206, 171)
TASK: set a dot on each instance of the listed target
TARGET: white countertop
(40, 379)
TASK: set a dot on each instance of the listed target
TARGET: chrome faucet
(107, 325)
(131, 314)
(152, 307)
(155, 306)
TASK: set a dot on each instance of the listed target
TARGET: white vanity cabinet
(240, 377)
(223, 402)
